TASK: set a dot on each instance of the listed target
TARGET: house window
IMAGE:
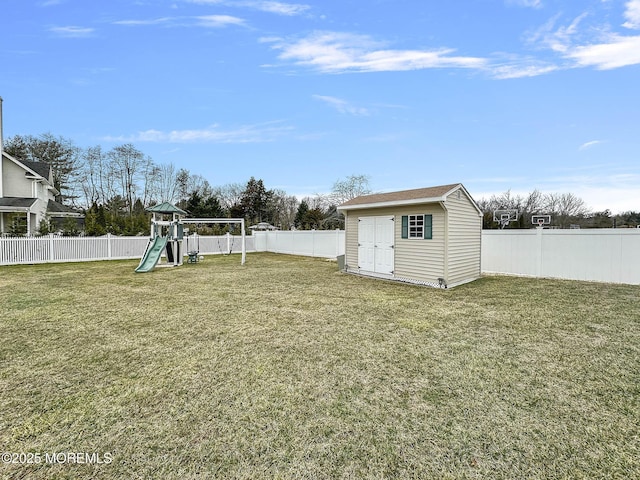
(417, 226)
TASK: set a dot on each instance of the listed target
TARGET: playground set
(168, 233)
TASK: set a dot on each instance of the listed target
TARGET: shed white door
(375, 244)
(366, 243)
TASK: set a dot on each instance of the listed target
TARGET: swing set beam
(223, 221)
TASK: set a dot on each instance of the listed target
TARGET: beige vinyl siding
(415, 259)
(351, 240)
(465, 231)
(419, 259)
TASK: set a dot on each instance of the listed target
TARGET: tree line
(114, 187)
(566, 211)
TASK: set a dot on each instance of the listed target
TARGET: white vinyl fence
(312, 243)
(601, 255)
(52, 248)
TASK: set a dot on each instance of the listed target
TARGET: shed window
(417, 226)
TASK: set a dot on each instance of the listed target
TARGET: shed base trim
(381, 276)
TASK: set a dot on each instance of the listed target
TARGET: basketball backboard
(541, 220)
(505, 216)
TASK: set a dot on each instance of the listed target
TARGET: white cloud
(335, 52)
(217, 21)
(213, 134)
(342, 106)
(632, 14)
(526, 3)
(279, 8)
(590, 144)
(208, 21)
(594, 45)
(521, 69)
(72, 32)
(288, 9)
(618, 51)
(557, 39)
(156, 21)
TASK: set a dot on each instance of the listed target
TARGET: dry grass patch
(285, 368)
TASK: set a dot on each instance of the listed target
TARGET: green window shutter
(428, 227)
(405, 226)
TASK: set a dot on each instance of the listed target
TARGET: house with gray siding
(428, 236)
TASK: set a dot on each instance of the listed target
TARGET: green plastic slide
(152, 254)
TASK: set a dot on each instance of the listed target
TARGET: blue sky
(496, 94)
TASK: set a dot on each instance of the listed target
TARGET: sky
(496, 94)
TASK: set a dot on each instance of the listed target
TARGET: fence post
(109, 246)
(539, 267)
(51, 254)
(228, 242)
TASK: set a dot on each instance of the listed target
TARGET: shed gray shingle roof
(401, 196)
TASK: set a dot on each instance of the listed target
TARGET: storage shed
(428, 236)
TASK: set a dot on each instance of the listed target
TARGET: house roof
(166, 207)
(56, 209)
(404, 197)
(21, 204)
(41, 168)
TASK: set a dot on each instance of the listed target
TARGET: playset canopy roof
(166, 207)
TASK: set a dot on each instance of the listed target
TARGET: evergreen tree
(201, 207)
(255, 201)
(44, 228)
(301, 214)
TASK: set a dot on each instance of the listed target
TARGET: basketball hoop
(504, 217)
(541, 220)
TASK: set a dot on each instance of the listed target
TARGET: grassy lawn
(285, 368)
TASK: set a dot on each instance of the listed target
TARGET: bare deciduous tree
(229, 195)
(129, 165)
(166, 183)
(353, 186)
(283, 209)
(563, 207)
